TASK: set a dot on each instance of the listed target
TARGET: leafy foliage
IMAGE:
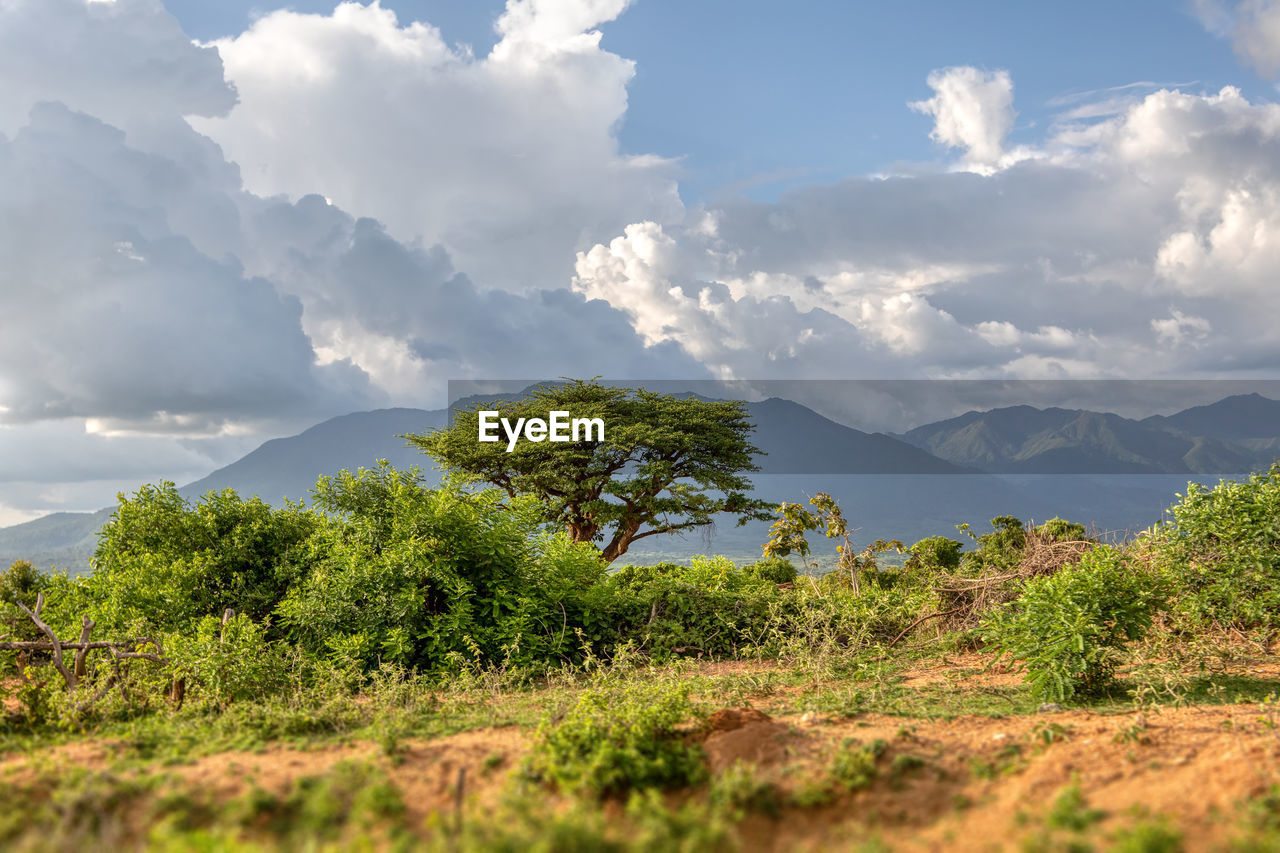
(665, 464)
(1222, 549)
(227, 662)
(710, 608)
(162, 563)
(997, 551)
(936, 553)
(1068, 628)
(776, 569)
(21, 582)
(436, 578)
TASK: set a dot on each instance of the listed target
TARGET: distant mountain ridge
(1026, 440)
(289, 467)
(807, 452)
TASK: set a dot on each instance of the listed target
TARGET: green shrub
(829, 615)
(853, 765)
(738, 789)
(935, 553)
(437, 578)
(225, 663)
(21, 583)
(775, 569)
(1061, 530)
(999, 550)
(1222, 550)
(710, 608)
(162, 563)
(1068, 628)
(617, 739)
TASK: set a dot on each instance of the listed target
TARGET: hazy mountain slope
(797, 440)
(1025, 440)
(289, 467)
(64, 540)
(1243, 416)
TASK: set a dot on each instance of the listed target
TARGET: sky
(225, 222)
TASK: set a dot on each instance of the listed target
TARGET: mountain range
(1094, 467)
(1234, 435)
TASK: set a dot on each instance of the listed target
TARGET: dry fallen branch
(121, 650)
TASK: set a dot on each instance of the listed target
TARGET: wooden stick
(920, 622)
(46, 646)
(86, 627)
(53, 639)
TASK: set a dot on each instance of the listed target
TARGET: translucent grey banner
(1168, 428)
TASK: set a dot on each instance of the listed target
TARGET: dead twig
(919, 622)
(55, 645)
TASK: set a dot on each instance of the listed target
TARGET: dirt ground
(972, 783)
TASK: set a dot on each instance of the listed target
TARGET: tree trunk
(620, 542)
(582, 531)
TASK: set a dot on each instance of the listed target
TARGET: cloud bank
(207, 245)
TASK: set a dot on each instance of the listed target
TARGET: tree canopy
(665, 463)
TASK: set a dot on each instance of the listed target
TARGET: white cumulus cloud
(510, 161)
(1253, 26)
(972, 109)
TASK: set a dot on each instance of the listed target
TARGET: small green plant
(1134, 732)
(854, 766)
(739, 789)
(616, 739)
(774, 569)
(904, 763)
(935, 553)
(1051, 733)
(1068, 629)
(787, 535)
(1151, 836)
(1071, 811)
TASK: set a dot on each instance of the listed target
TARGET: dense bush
(1222, 550)
(21, 582)
(225, 662)
(709, 608)
(997, 551)
(935, 553)
(1067, 629)
(775, 569)
(162, 563)
(829, 614)
(435, 579)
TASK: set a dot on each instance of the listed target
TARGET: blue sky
(756, 95)
(225, 222)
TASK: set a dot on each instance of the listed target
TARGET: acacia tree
(665, 464)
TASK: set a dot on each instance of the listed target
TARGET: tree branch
(55, 646)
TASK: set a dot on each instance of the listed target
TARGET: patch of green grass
(74, 809)
(619, 737)
(1071, 811)
(739, 789)
(1150, 836)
